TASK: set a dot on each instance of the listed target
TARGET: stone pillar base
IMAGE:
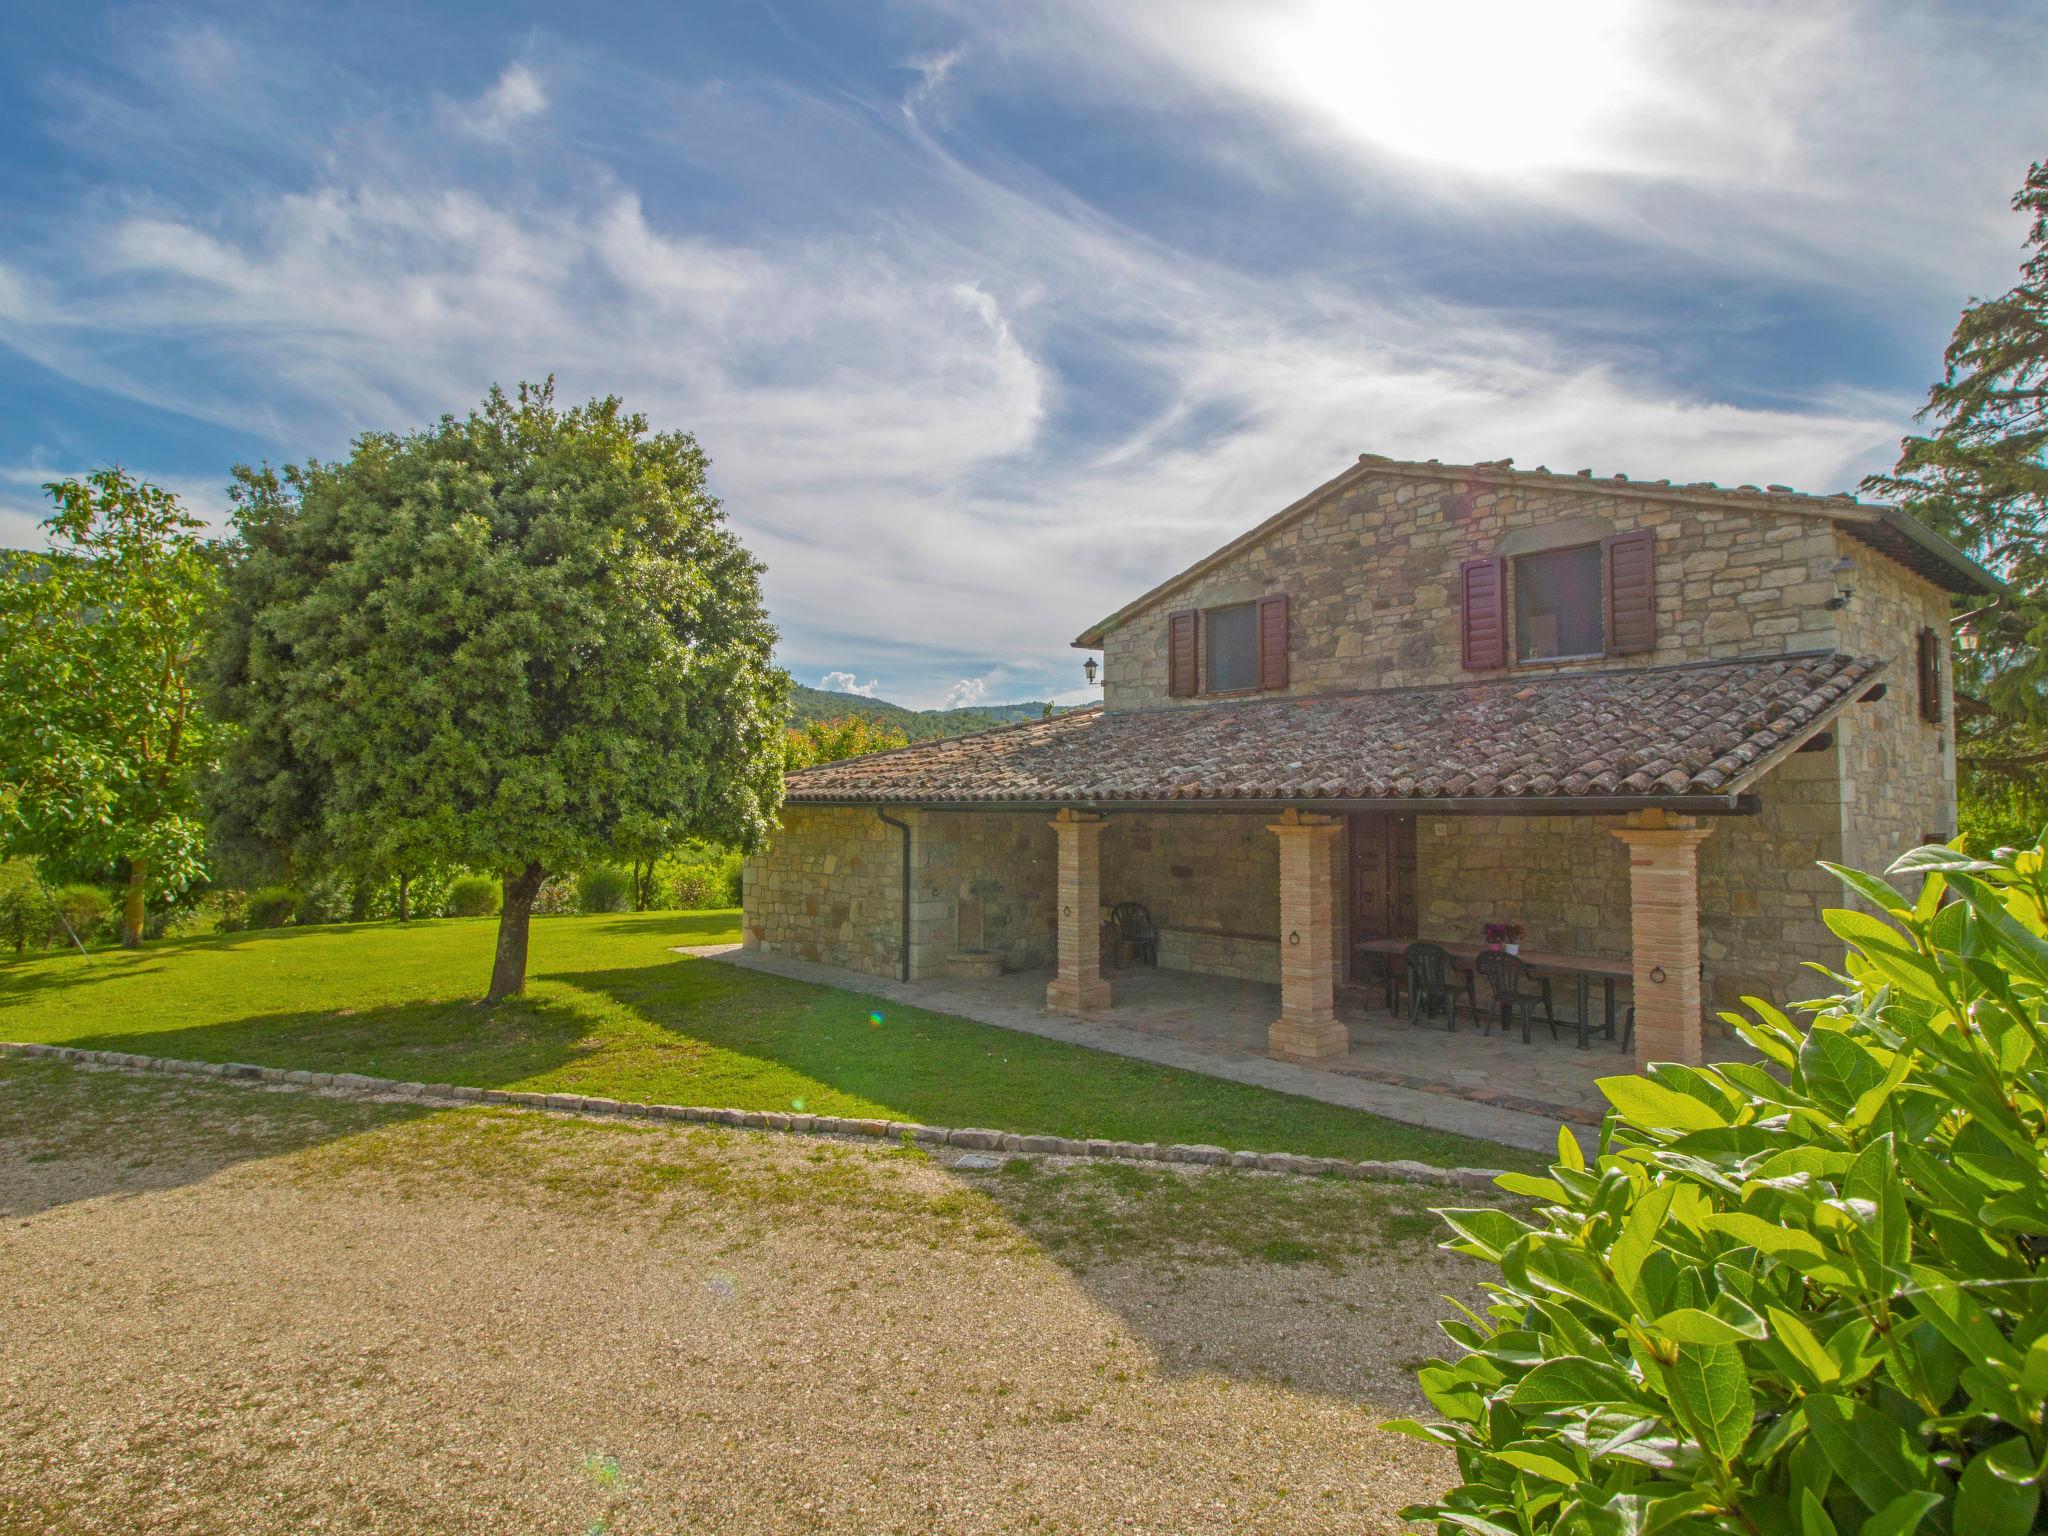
(1293, 1040)
(1063, 996)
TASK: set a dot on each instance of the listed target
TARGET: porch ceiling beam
(1522, 805)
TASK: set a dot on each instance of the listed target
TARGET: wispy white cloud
(846, 682)
(1775, 138)
(967, 692)
(960, 411)
(517, 96)
(927, 98)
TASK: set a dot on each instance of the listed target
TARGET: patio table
(1582, 969)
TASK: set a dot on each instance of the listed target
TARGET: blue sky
(991, 316)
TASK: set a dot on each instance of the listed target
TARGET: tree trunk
(404, 899)
(131, 904)
(359, 901)
(508, 972)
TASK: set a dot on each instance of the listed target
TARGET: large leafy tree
(1981, 478)
(504, 642)
(101, 734)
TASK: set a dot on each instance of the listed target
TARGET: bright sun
(1502, 84)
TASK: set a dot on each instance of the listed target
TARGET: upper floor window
(1558, 604)
(1233, 648)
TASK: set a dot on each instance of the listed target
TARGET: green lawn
(611, 1011)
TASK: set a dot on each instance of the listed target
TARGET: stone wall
(828, 889)
(983, 880)
(1899, 771)
(1220, 873)
(1372, 579)
(1211, 883)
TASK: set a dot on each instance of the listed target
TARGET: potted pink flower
(1504, 936)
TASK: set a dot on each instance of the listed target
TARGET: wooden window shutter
(1930, 676)
(1182, 678)
(1629, 564)
(1482, 591)
(1273, 641)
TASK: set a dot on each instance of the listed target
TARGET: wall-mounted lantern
(1842, 570)
(1966, 638)
(1088, 669)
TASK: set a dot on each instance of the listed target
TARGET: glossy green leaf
(1710, 1392)
(1878, 893)
(1536, 1465)
(1903, 1516)
(1656, 1107)
(1801, 1344)
(1867, 1450)
(1998, 1495)
(1571, 1382)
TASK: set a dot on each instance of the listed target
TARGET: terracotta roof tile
(1704, 729)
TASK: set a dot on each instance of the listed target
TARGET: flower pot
(1514, 949)
(1494, 945)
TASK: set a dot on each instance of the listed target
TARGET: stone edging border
(1400, 1170)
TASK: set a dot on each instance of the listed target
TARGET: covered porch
(1341, 909)
(1622, 818)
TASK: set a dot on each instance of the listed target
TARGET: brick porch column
(1664, 928)
(1079, 987)
(1308, 1028)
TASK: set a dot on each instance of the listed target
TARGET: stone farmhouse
(1629, 716)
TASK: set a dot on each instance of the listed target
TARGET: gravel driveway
(230, 1310)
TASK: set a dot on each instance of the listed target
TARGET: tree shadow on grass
(485, 1046)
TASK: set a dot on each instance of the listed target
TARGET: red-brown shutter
(1273, 641)
(1181, 675)
(1630, 564)
(1930, 676)
(1482, 589)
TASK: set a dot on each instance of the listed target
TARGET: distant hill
(917, 724)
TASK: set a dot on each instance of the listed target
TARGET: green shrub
(87, 909)
(604, 888)
(271, 907)
(700, 876)
(555, 898)
(230, 910)
(473, 896)
(1797, 1299)
(325, 899)
(26, 913)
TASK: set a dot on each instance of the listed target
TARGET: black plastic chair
(1504, 975)
(1430, 988)
(1136, 931)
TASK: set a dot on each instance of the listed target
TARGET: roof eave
(1731, 804)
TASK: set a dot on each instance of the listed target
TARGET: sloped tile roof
(1640, 733)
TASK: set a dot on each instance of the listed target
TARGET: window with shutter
(1483, 626)
(1930, 677)
(1230, 648)
(1182, 678)
(1630, 560)
(1273, 641)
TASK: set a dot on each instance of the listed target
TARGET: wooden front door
(1382, 882)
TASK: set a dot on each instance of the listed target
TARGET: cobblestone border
(970, 1139)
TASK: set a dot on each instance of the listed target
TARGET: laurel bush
(1797, 1298)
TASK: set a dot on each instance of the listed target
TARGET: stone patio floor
(1496, 1088)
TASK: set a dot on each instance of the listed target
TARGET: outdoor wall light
(1088, 669)
(1843, 569)
(1966, 638)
